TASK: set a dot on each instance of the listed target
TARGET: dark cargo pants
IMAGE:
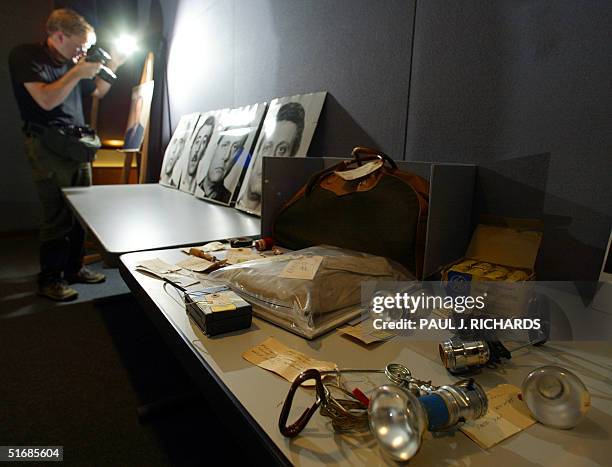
(61, 236)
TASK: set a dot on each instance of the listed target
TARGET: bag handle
(370, 154)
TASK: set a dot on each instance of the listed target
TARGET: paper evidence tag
(286, 362)
(302, 268)
(507, 415)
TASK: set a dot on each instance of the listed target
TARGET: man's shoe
(57, 290)
(85, 276)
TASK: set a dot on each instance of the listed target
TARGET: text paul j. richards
(458, 324)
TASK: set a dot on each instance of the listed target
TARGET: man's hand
(86, 70)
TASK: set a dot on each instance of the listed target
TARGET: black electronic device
(217, 310)
(99, 55)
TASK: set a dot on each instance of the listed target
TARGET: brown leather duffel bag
(365, 204)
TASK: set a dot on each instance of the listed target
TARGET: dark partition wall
(357, 50)
(500, 80)
(231, 53)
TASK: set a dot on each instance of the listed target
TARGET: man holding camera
(48, 80)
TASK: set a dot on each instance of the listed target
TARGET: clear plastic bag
(309, 307)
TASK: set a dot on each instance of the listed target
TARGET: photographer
(48, 80)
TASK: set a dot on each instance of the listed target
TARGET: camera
(99, 55)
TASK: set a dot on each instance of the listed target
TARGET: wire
(181, 304)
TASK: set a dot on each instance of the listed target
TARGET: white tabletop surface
(262, 393)
(127, 218)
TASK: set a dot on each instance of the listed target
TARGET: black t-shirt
(30, 63)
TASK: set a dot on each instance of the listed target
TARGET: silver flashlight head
(397, 420)
(465, 400)
(458, 355)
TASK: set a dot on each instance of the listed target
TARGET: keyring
(398, 374)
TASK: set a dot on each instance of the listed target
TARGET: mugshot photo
(222, 168)
(287, 131)
(196, 147)
(172, 168)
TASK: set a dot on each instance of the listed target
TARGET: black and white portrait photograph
(138, 118)
(172, 168)
(287, 132)
(196, 148)
(224, 163)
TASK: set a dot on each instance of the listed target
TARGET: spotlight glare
(126, 44)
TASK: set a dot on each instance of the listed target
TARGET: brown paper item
(366, 333)
(194, 263)
(303, 268)
(280, 359)
(507, 415)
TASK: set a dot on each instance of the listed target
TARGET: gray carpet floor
(75, 375)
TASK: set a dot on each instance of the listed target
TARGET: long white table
(255, 396)
(126, 218)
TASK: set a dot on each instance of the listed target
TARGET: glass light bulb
(556, 396)
(397, 421)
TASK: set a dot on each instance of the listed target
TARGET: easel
(142, 155)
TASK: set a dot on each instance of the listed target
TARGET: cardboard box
(498, 262)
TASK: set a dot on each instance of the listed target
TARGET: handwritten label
(303, 268)
(280, 359)
(507, 415)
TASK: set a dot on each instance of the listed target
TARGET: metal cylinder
(465, 400)
(458, 355)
